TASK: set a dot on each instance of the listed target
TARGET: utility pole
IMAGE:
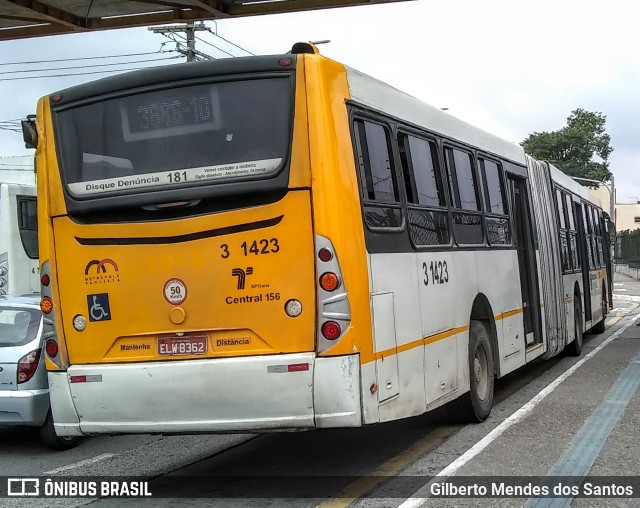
(190, 51)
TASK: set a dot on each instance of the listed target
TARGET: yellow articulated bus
(281, 242)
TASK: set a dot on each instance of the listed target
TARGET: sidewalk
(626, 297)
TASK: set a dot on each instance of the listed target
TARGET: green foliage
(572, 148)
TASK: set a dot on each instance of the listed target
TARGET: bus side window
(467, 217)
(563, 233)
(588, 233)
(601, 235)
(597, 241)
(576, 258)
(428, 215)
(377, 175)
(496, 218)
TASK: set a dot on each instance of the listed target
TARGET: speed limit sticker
(175, 291)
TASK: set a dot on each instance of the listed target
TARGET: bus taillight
(329, 281)
(331, 330)
(51, 347)
(334, 311)
(46, 305)
(325, 255)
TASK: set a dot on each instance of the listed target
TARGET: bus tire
(575, 348)
(52, 440)
(476, 403)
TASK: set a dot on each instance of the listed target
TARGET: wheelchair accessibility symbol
(99, 307)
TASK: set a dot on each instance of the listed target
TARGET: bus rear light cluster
(334, 313)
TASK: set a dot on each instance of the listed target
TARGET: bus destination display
(170, 113)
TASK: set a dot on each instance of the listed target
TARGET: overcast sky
(510, 67)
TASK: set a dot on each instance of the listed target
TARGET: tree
(572, 148)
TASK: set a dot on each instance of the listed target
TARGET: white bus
(281, 242)
(18, 240)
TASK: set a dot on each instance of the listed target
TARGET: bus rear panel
(185, 257)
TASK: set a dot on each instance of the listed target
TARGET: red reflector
(297, 367)
(56, 98)
(51, 347)
(45, 280)
(325, 255)
(78, 379)
(285, 62)
(331, 330)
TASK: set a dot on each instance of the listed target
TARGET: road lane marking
(388, 469)
(419, 497)
(82, 463)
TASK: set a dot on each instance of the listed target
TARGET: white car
(24, 388)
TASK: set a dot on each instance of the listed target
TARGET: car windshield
(18, 325)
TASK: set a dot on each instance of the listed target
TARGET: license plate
(178, 346)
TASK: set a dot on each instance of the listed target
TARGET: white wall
(17, 169)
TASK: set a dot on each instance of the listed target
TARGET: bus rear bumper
(244, 394)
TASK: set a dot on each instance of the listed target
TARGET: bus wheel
(476, 403)
(575, 348)
(52, 440)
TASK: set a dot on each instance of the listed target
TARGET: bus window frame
(480, 212)
(564, 229)
(405, 130)
(361, 115)
(505, 199)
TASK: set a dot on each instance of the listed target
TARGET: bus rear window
(176, 137)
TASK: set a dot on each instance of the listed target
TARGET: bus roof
(385, 98)
(570, 184)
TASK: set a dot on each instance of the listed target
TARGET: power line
(81, 58)
(92, 65)
(73, 74)
(232, 43)
(214, 46)
(228, 41)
